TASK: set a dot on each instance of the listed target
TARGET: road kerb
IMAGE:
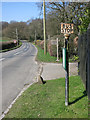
(10, 106)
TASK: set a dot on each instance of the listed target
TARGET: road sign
(15, 41)
(67, 28)
(64, 58)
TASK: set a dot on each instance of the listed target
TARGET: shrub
(42, 44)
(38, 42)
(75, 58)
(7, 44)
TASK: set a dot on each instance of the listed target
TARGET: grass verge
(45, 58)
(5, 50)
(48, 101)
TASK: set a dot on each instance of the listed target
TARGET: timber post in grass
(17, 36)
(67, 29)
(44, 27)
(35, 37)
(57, 51)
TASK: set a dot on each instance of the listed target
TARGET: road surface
(18, 69)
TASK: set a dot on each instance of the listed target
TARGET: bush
(75, 58)
(7, 45)
(38, 42)
(42, 44)
(52, 48)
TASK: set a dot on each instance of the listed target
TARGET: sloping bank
(9, 45)
(48, 101)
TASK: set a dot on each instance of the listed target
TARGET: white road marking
(17, 53)
(25, 49)
(2, 59)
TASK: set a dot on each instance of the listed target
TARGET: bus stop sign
(67, 28)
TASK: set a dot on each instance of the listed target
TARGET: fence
(84, 55)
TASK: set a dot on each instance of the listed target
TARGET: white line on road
(24, 49)
(2, 59)
(17, 53)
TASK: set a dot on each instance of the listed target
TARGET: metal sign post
(66, 72)
(67, 29)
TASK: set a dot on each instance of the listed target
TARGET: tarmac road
(18, 69)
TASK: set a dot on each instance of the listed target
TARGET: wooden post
(44, 27)
(57, 51)
(35, 36)
(17, 36)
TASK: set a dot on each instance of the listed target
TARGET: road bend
(18, 69)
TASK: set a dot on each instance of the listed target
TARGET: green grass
(45, 58)
(48, 101)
